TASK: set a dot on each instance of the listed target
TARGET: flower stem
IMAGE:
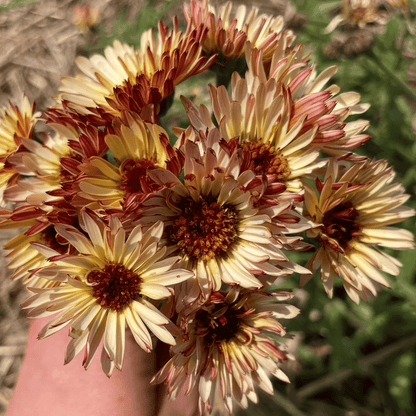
(405, 88)
(286, 404)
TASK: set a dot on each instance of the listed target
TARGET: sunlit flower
(313, 105)
(228, 35)
(353, 212)
(134, 80)
(284, 118)
(41, 162)
(261, 122)
(16, 122)
(230, 344)
(47, 171)
(136, 147)
(357, 13)
(212, 223)
(106, 287)
(23, 256)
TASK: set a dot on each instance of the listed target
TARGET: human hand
(48, 388)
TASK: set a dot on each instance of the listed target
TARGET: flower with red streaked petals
(106, 287)
(353, 213)
(325, 110)
(136, 146)
(228, 36)
(16, 122)
(134, 80)
(212, 223)
(229, 345)
(44, 197)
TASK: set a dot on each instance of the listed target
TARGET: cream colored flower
(134, 80)
(136, 147)
(228, 34)
(211, 221)
(41, 164)
(108, 285)
(24, 258)
(314, 105)
(229, 344)
(283, 117)
(354, 211)
(16, 122)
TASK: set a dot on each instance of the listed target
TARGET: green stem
(364, 363)
(284, 403)
(405, 88)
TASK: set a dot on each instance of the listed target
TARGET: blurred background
(352, 359)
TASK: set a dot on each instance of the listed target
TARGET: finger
(183, 405)
(46, 386)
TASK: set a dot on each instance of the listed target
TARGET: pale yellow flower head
(353, 212)
(109, 284)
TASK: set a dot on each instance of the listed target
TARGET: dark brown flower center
(204, 229)
(49, 238)
(134, 176)
(217, 325)
(340, 224)
(266, 159)
(114, 286)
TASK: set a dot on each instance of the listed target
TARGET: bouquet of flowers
(182, 235)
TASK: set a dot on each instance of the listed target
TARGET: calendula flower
(211, 221)
(24, 257)
(357, 13)
(134, 80)
(50, 171)
(283, 118)
(229, 344)
(41, 162)
(228, 35)
(106, 287)
(16, 122)
(313, 105)
(136, 147)
(261, 122)
(354, 211)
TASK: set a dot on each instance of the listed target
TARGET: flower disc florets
(114, 286)
(204, 229)
(211, 220)
(354, 213)
(226, 348)
(268, 160)
(341, 224)
(105, 287)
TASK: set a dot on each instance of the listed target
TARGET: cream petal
(148, 312)
(154, 291)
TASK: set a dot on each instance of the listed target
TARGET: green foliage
(14, 4)
(129, 31)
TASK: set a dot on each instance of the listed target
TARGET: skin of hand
(48, 388)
